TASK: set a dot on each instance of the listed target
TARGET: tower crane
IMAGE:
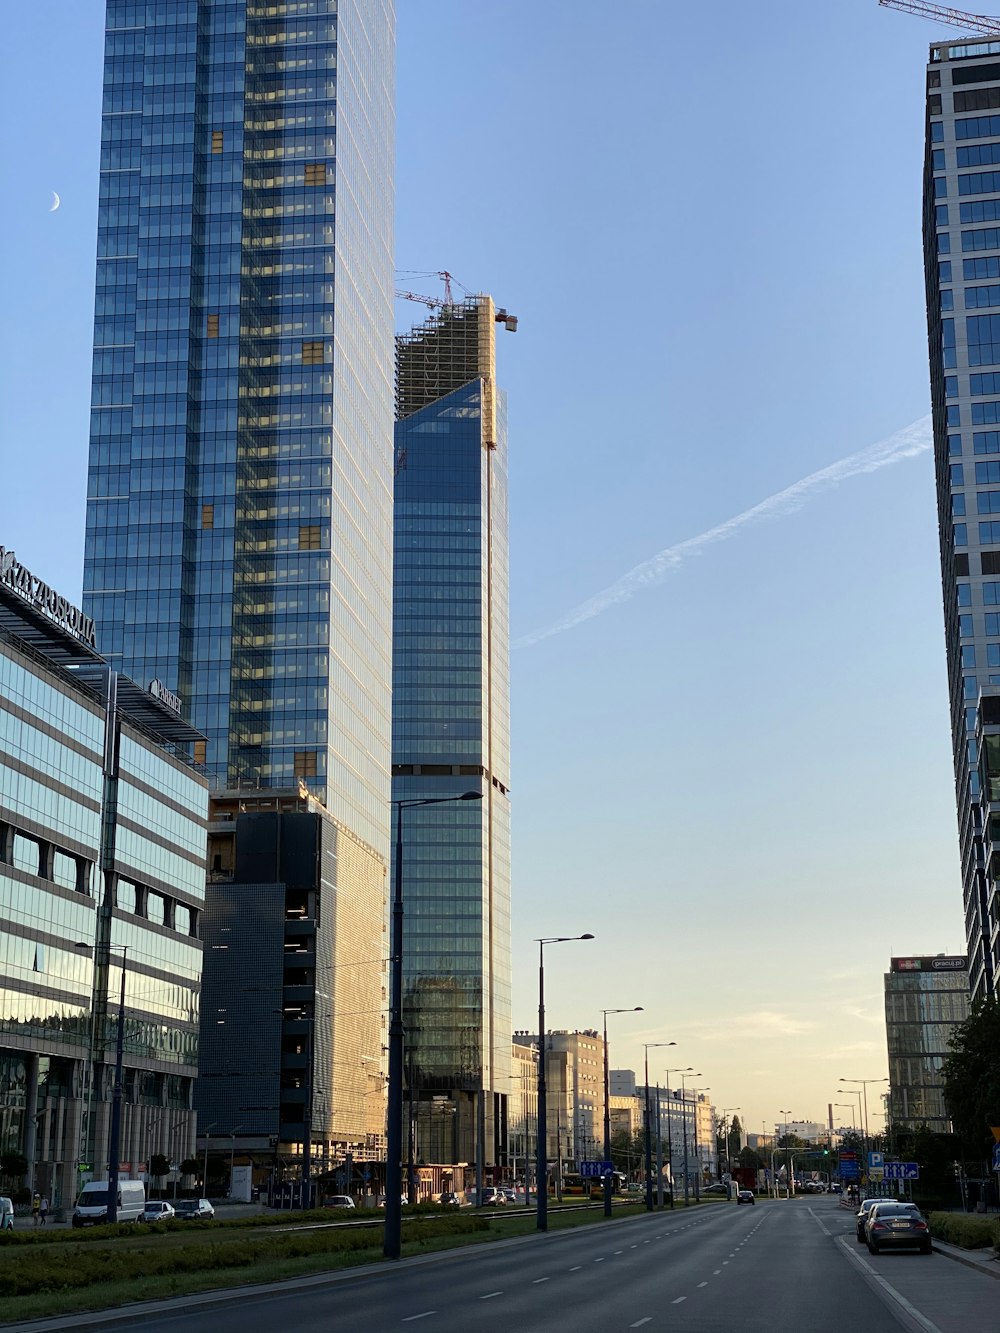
(956, 18)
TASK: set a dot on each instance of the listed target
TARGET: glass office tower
(239, 543)
(451, 731)
(926, 999)
(962, 264)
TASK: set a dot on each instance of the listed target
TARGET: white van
(92, 1205)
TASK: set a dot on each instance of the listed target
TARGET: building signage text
(13, 575)
(935, 964)
(159, 691)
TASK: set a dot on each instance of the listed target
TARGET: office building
(239, 519)
(925, 1000)
(574, 1082)
(293, 1001)
(102, 854)
(687, 1127)
(522, 1116)
(962, 264)
(451, 730)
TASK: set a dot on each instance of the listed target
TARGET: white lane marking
(619, 1251)
(490, 1294)
(633, 1247)
(724, 1262)
(410, 1317)
(639, 1322)
(702, 1284)
(599, 1261)
(826, 1231)
(717, 1272)
(576, 1268)
(887, 1287)
(678, 1300)
(539, 1279)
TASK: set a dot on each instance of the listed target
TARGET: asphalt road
(777, 1267)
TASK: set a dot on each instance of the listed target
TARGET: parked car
(450, 1199)
(338, 1201)
(717, 1188)
(836, 1188)
(192, 1210)
(862, 1216)
(895, 1225)
(157, 1210)
(6, 1213)
(746, 1196)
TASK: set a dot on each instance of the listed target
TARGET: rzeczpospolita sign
(13, 575)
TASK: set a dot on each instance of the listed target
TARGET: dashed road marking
(599, 1261)
(576, 1268)
(490, 1294)
(717, 1272)
(539, 1279)
(702, 1284)
(639, 1322)
(410, 1317)
(678, 1300)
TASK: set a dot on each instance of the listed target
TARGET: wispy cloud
(907, 443)
(759, 1022)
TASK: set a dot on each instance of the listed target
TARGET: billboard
(936, 963)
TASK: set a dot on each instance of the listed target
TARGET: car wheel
(927, 1249)
(861, 1236)
(872, 1249)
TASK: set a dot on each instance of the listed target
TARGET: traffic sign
(595, 1170)
(902, 1171)
(849, 1166)
(876, 1160)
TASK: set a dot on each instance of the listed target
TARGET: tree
(972, 1078)
(13, 1165)
(750, 1157)
(159, 1166)
(190, 1166)
(735, 1136)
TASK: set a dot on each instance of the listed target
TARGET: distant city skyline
(704, 775)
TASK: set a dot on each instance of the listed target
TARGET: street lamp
(725, 1137)
(684, 1125)
(788, 1157)
(541, 1168)
(393, 1240)
(864, 1086)
(697, 1155)
(862, 1130)
(115, 1137)
(647, 1046)
(607, 1106)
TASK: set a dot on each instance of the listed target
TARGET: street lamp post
(607, 1106)
(648, 1136)
(204, 1173)
(788, 1157)
(864, 1087)
(862, 1130)
(393, 1238)
(115, 1137)
(541, 1167)
(725, 1137)
(697, 1155)
(684, 1126)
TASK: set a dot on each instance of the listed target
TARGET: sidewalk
(984, 1260)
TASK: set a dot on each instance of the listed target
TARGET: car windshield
(896, 1210)
(93, 1198)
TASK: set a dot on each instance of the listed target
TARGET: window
(200, 748)
(126, 896)
(977, 297)
(978, 127)
(977, 182)
(965, 626)
(961, 533)
(947, 299)
(969, 689)
(958, 506)
(961, 564)
(989, 533)
(212, 326)
(992, 619)
(983, 384)
(985, 414)
(937, 160)
(26, 854)
(983, 335)
(957, 473)
(941, 187)
(983, 99)
(304, 764)
(975, 269)
(951, 386)
(969, 655)
(964, 593)
(948, 341)
(987, 473)
(944, 270)
(156, 908)
(315, 173)
(954, 446)
(989, 563)
(934, 107)
(933, 78)
(974, 74)
(983, 210)
(944, 243)
(182, 919)
(208, 516)
(977, 155)
(937, 130)
(953, 415)
(217, 141)
(987, 238)
(309, 535)
(312, 353)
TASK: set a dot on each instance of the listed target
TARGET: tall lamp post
(541, 1167)
(607, 1105)
(864, 1087)
(393, 1239)
(684, 1125)
(697, 1154)
(647, 1046)
(725, 1136)
(115, 1136)
(788, 1157)
(862, 1130)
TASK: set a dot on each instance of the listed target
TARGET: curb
(963, 1257)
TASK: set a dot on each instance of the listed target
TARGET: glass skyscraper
(962, 265)
(925, 1001)
(239, 529)
(451, 731)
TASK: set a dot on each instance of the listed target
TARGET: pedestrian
(36, 1207)
(44, 1207)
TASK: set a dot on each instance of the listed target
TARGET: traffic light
(826, 1152)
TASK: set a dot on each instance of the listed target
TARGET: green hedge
(28, 1272)
(969, 1230)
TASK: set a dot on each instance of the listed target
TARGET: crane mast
(956, 18)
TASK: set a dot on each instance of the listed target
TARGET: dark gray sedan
(897, 1226)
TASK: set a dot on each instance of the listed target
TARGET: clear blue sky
(707, 219)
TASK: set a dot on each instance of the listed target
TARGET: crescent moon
(56, 201)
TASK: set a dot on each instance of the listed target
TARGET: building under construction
(451, 734)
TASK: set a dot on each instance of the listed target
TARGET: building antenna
(956, 18)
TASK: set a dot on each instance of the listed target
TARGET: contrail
(907, 443)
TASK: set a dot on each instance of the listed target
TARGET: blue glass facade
(451, 733)
(239, 504)
(961, 252)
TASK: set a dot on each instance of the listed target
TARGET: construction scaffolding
(453, 346)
